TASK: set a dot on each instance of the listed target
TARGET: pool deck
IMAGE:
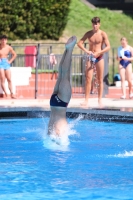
(112, 107)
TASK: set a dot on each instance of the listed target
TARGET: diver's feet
(71, 43)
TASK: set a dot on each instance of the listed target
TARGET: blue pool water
(94, 162)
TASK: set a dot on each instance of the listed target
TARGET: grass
(115, 24)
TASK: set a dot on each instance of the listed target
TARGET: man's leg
(8, 77)
(92, 86)
(95, 80)
(2, 78)
(122, 75)
(100, 70)
(129, 79)
(89, 75)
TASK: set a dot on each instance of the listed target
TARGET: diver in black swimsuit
(62, 91)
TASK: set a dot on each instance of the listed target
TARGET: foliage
(35, 19)
(115, 24)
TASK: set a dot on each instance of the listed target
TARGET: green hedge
(35, 19)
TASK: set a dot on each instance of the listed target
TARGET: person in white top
(125, 56)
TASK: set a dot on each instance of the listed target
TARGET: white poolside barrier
(118, 83)
(20, 77)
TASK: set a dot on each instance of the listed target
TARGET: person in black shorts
(62, 91)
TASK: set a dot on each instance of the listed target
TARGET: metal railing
(44, 75)
(58, 48)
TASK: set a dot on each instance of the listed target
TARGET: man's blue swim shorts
(4, 63)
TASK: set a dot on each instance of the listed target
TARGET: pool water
(93, 160)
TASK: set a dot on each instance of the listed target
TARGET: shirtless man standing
(5, 72)
(96, 38)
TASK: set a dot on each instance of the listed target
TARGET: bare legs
(56, 88)
(6, 74)
(89, 75)
(100, 70)
(122, 75)
(2, 78)
(64, 92)
(126, 74)
(129, 79)
(62, 88)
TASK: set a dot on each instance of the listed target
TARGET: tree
(35, 19)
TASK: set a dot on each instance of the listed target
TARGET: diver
(62, 91)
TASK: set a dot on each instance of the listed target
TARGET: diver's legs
(56, 88)
(64, 92)
(62, 88)
(64, 66)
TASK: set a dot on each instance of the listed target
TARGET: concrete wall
(20, 77)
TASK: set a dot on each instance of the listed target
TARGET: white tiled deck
(111, 106)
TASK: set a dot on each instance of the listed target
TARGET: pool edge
(110, 115)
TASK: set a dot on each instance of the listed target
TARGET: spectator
(53, 60)
(125, 56)
(5, 72)
(96, 38)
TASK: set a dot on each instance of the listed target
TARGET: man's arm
(106, 42)
(13, 55)
(81, 44)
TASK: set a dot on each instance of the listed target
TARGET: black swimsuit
(55, 101)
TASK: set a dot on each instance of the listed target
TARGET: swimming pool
(94, 162)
